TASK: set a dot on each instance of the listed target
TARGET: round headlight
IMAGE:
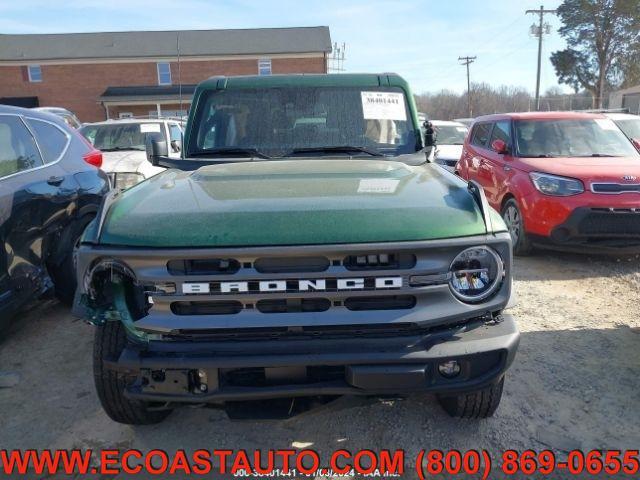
(475, 274)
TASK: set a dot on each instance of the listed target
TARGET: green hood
(293, 203)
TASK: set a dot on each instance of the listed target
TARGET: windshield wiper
(602, 155)
(222, 151)
(121, 149)
(335, 148)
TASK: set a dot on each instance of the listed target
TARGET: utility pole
(468, 61)
(539, 31)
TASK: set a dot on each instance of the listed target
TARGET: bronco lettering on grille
(281, 285)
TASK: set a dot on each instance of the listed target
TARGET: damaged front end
(109, 291)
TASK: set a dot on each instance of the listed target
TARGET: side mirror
(176, 145)
(156, 145)
(636, 143)
(499, 146)
(429, 135)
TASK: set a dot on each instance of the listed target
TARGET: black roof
(148, 91)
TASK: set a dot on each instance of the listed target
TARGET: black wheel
(513, 218)
(109, 341)
(479, 404)
(63, 273)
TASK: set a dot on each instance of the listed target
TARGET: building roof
(553, 115)
(112, 45)
(625, 91)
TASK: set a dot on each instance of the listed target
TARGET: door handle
(55, 181)
(507, 168)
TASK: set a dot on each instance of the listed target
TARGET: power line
(539, 31)
(466, 61)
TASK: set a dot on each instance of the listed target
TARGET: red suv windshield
(593, 137)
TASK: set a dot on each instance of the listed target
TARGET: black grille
(293, 305)
(392, 302)
(206, 308)
(605, 222)
(380, 261)
(259, 377)
(615, 187)
(291, 265)
(210, 266)
(287, 333)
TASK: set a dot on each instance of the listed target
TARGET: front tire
(474, 405)
(109, 342)
(512, 217)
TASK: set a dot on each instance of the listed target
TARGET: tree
(603, 36)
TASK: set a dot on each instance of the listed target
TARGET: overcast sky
(421, 40)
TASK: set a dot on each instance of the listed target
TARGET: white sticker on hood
(378, 185)
(149, 127)
(383, 106)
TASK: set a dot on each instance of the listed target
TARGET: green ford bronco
(303, 248)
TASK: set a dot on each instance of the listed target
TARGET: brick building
(119, 74)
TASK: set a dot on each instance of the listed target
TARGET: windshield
(285, 121)
(119, 136)
(630, 127)
(450, 134)
(571, 138)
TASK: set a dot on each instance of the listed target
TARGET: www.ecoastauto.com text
(308, 463)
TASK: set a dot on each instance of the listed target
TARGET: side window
(18, 150)
(175, 133)
(264, 66)
(481, 134)
(51, 139)
(164, 73)
(35, 73)
(501, 131)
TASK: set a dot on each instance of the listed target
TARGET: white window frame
(262, 64)
(160, 82)
(31, 78)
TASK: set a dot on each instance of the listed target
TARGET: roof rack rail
(604, 110)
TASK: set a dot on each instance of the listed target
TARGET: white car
(68, 116)
(123, 147)
(449, 141)
(629, 124)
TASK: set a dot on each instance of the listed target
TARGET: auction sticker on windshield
(149, 127)
(606, 124)
(383, 106)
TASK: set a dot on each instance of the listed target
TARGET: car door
(476, 153)
(36, 200)
(496, 166)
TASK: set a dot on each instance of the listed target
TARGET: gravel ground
(574, 383)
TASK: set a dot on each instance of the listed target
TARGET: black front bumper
(600, 230)
(217, 372)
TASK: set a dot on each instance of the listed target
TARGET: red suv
(559, 179)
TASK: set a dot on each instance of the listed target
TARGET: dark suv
(50, 189)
